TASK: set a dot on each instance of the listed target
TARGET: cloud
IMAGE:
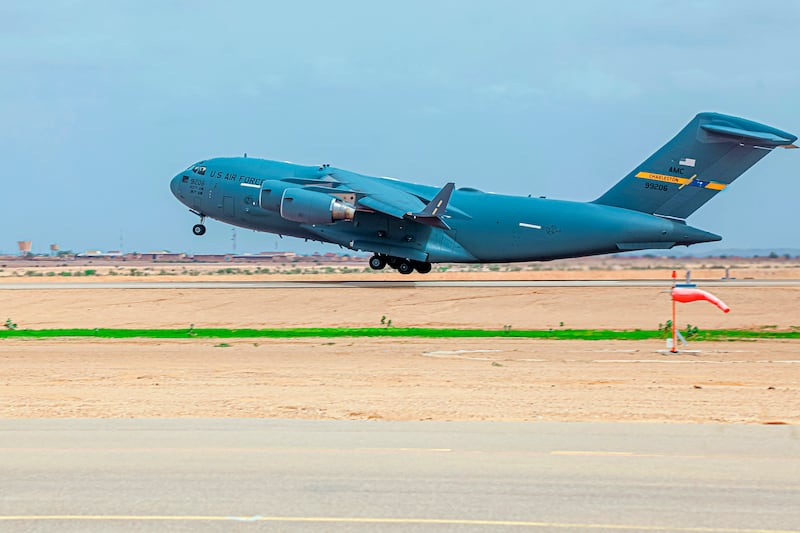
(594, 83)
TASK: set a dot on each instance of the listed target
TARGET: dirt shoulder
(420, 379)
(394, 379)
(467, 307)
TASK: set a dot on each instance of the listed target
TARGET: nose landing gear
(404, 266)
(199, 229)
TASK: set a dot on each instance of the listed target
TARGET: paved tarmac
(382, 284)
(295, 475)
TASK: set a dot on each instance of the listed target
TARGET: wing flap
(391, 207)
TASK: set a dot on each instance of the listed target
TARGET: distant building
(97, 254)
(210, 258)
(264, 256)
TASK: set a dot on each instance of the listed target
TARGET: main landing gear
(404, 266)
(199, 229)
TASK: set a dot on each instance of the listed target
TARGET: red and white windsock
(684, 295)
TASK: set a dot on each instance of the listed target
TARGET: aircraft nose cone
(175, 185)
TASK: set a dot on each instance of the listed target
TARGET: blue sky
(102, 102)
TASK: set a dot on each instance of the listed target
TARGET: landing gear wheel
(199, 229)
(404, 266)
(377, 262)
(422, 267)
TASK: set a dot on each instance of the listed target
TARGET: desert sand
(408, 379)
(400, 379)
(470, 307)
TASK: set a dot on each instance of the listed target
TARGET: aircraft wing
(397, 205)
(383, 197)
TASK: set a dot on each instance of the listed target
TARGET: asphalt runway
(366, 284)
(294, 475)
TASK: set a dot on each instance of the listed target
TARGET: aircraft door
(227, 206)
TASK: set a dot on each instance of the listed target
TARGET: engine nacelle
(272, 194)
(309, 207)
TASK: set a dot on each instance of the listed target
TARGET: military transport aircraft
(409, 226)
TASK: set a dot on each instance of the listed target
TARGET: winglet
(437, 206)
(432, 213)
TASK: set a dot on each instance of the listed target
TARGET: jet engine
(272, 194)
(309, 207)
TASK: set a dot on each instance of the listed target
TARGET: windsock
(683, 295)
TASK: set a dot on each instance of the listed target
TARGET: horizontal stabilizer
(765, 136)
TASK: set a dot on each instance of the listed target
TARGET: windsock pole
(674, 320)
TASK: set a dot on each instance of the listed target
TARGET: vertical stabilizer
(703, 159)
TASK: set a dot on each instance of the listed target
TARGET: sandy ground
(399, 379)
(412, 379)
(474, 307)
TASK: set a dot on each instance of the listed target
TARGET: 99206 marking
(656, 186)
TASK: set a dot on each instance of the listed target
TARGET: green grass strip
(224, 333)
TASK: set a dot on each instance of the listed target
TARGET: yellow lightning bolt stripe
(679, 181)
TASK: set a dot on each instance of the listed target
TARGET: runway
(231, 474)
(366, 284)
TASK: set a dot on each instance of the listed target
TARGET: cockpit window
(199, 170)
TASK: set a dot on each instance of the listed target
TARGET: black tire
(199, 229)
(422, 267)
(392, 262)
(377, 262)
(404, 266)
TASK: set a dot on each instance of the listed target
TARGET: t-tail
(700, 161)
